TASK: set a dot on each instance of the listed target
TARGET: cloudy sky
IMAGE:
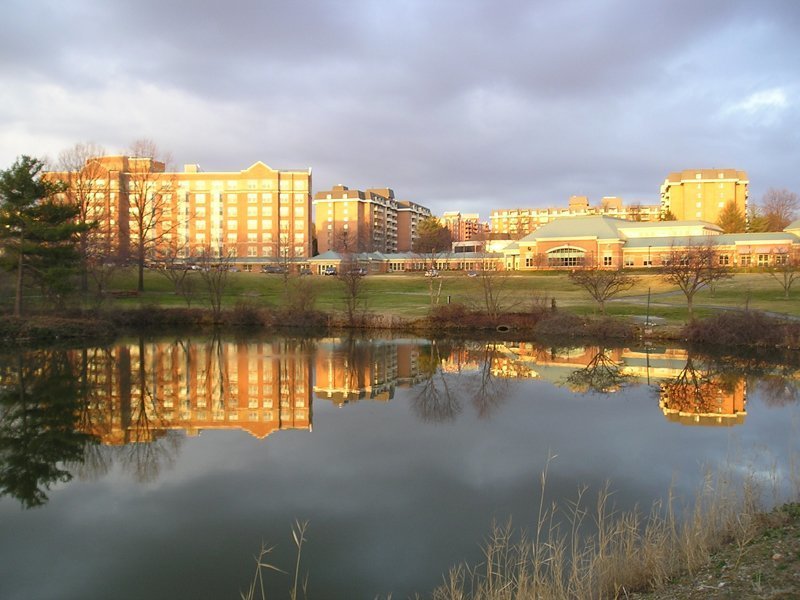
(460, 105)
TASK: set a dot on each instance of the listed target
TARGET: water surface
(156, 467)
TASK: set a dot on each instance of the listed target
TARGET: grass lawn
(409, 295)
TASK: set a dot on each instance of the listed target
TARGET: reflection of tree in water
(435, 400)
(601, 375)
(39, 408)
(490, 390)
(694, 390)
(150, 445)
(779, 389)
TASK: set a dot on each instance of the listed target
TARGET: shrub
(743, 328)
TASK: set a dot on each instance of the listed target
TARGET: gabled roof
(599, 227)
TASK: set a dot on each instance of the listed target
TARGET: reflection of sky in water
(393, 502)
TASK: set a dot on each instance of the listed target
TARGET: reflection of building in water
(142, 390)
(347, 369)
(687, 394)
(704, 402)
(461, 359)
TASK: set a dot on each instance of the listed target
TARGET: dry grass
(256, 590)
(627, 551)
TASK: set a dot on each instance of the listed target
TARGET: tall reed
(582, 550)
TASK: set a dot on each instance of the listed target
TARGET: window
(233, 224)
(298, 211)
(762, 260)
(298, 198)
(566, 257)
(529, 262)
(746, 260)
(724, 260)
(252, 223)
(252, 198)
(200, 211)
(781, 259)
(629, 261)
(284, 212)
(252, 251)
(232, 211)
(231, 184)
(252, 211)
(200, 224)
(607, 261)
(266, 223)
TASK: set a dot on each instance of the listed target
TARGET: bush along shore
(730, 329)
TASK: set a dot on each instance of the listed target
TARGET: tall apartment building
(365, 221)
(516, 223)
(258, 213)
(409, 215)
(464, 227)
(701, 194)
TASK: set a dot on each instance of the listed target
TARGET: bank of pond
(727, 329)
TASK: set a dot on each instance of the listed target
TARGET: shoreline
(728, 330)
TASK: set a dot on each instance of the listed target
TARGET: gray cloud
(469, 105)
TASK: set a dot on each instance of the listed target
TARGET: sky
(458, 105)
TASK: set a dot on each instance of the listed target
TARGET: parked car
(358, 271)
(472, 273)
(329, 271)
(431, 273)
(306, 271)
(280, 269)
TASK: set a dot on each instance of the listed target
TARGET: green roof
(600, 227)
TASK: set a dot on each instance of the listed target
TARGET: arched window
(566, 256)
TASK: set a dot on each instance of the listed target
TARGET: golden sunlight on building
(702, 194)
(254, 215)
(142, 390)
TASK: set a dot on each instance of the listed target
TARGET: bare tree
(601, 375)
(351, 275)
(434, 401)
(694, 390)
(602, 284)
(495, 285)
(214, 270)
(692, 268)
(433, 240)
(173, 266)
(779, 208)
(490, 391)
(785, 270)
(88, 188)
(150, 201)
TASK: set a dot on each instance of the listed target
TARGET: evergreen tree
(37, 233)
(731, 219)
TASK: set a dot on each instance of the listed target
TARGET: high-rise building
(409, 215)
(255, 214)
(355, 220)
(365, 221)
(702, 194)
(464, 227)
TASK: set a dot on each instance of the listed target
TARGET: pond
(157, 467)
